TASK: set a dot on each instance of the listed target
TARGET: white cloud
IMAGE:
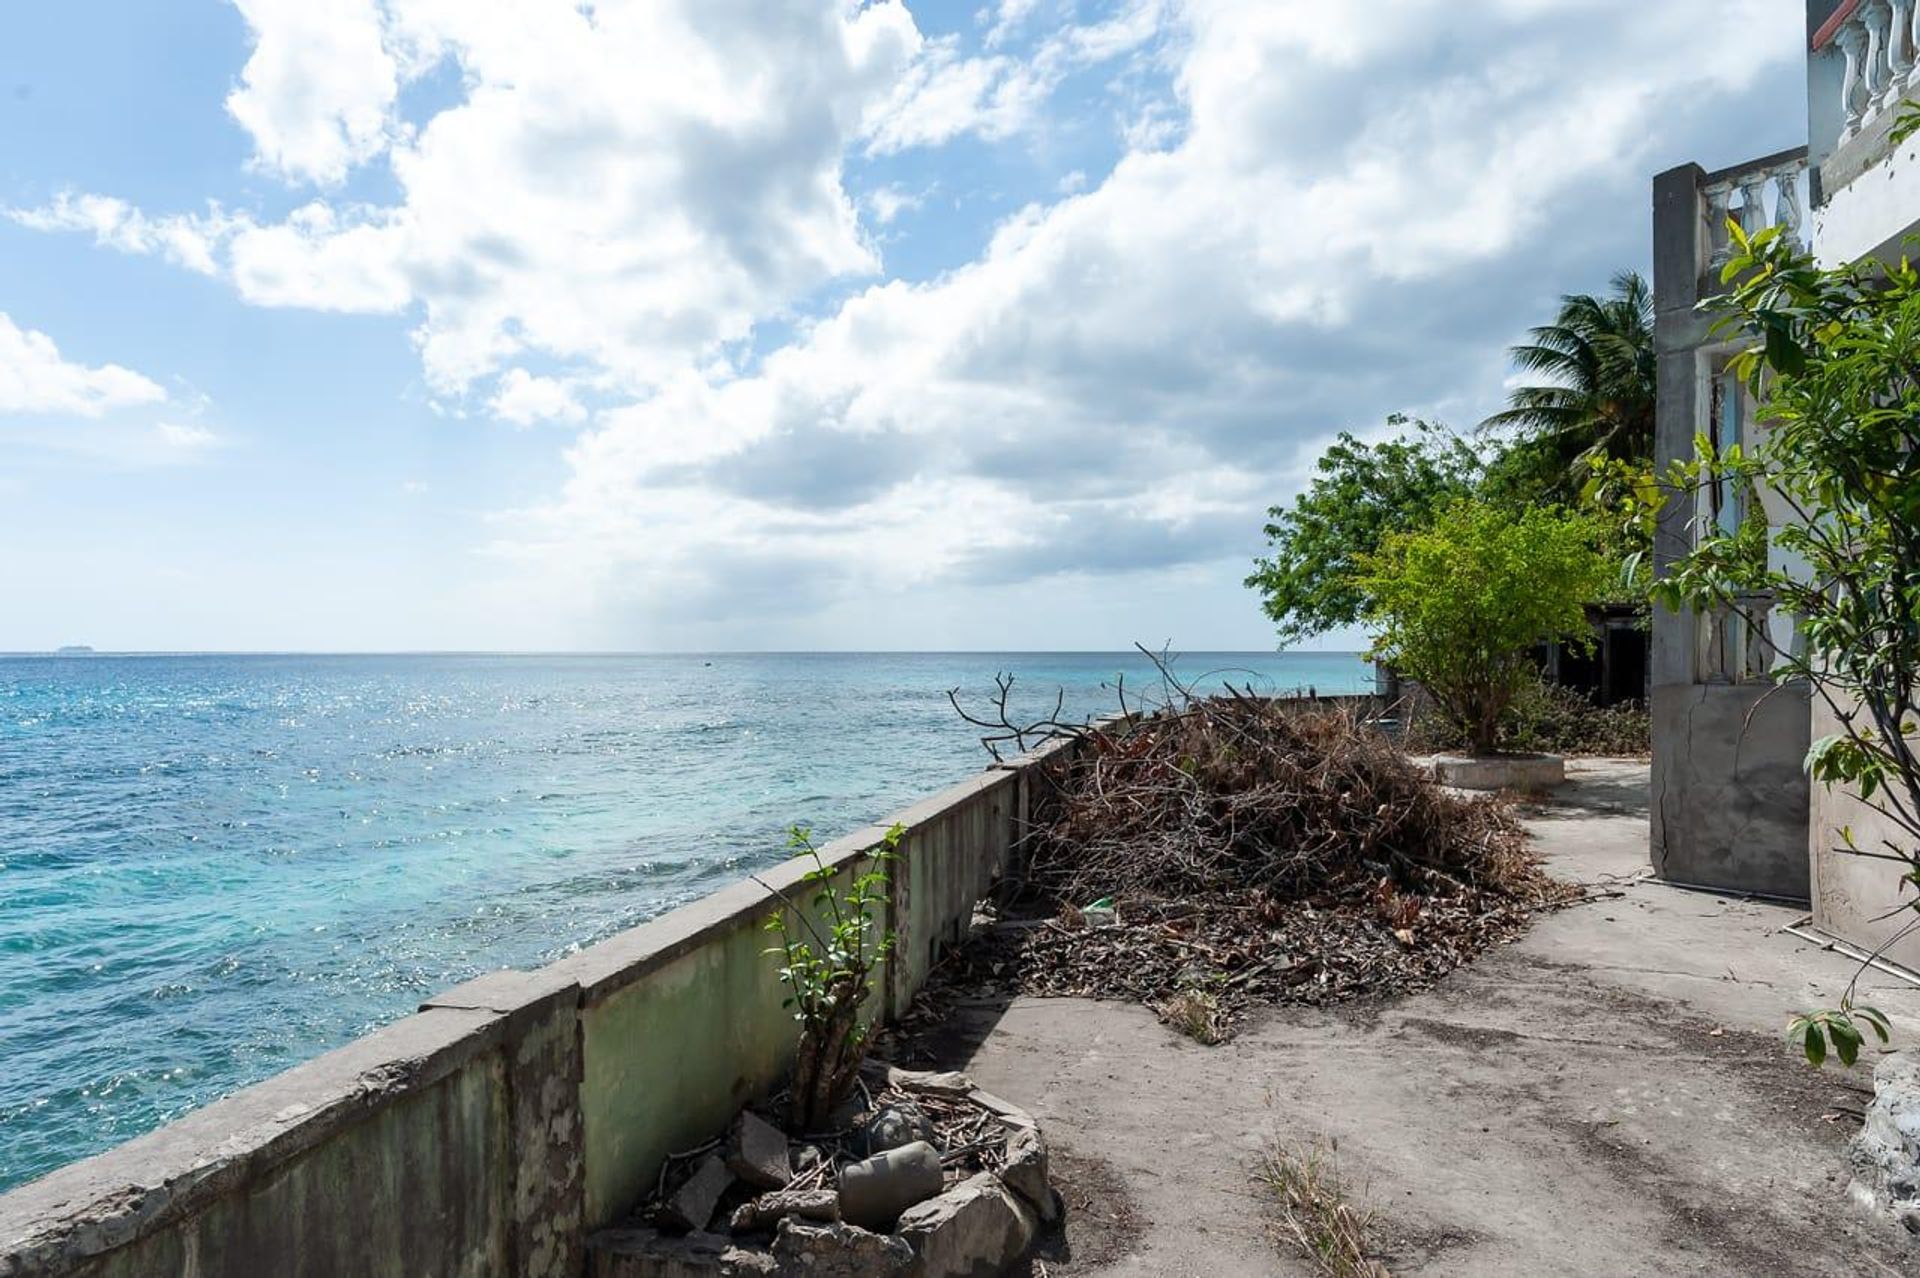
(1127, 377)
(631, 186)
(317, 93)
(888, 202)
(524, 399)
(185, 438)
(945, 95)
(34, 378)
(185, 240)
(1314, 222)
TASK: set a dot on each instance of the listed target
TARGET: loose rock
(757, 1152)
(769, 1209)
(837, 1251)
(977, 1227)
(895, 1125)
(1026, 1173)
(691, 1206)
(952, 1083)
(1886, 1153)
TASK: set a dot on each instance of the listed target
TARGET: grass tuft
(1313, 1211)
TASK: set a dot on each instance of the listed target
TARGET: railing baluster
(1900, 49)
(1787, 214)
(1716, 198)
(1714, 665)
(1853, 89)
(1753, 203)
(1878, 18)
(1756, 664)
(1912, 80)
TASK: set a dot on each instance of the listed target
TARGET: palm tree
(1597, 359)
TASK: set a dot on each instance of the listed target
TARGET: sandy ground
(1609, 1094)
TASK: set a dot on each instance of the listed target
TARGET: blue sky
(390, 324)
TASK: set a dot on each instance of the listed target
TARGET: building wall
(1729, 791)
(1851, 893)
(1875, 213)
(1866, 204)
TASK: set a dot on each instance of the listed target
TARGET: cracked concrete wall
(385, 1158)
(1730, 797)
(1850, 891)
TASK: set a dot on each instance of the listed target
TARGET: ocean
(215, 867)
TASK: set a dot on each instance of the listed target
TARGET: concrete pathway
(1610, 1094)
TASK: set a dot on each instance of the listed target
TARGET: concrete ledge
(629, 956)
(1529, 773)
(71, 1216)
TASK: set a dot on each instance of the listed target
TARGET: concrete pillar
(1729, 796)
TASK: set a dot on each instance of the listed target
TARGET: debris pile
(1238, 849)
(757, 1174)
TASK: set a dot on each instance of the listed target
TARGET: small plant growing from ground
(830, 947)
(1196, 1011)
(1461, 605)
(1313, 1210)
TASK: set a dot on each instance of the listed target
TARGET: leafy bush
(829, 965)
(1545, 718)
(1461, 605)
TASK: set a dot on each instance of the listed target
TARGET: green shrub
(1461, 605)
(1545, 718)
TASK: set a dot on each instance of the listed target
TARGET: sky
(381, 325)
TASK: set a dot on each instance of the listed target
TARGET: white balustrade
(1734, 642)
(1768, 196)
(1879, 43)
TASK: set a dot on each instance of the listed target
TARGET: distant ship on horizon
(73, 650)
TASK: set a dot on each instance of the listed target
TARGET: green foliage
(829, 952)
(1545, 717)
(1840, 1028)
(1360, 494)
(1595, 399)
(1834, 357)
(1907, 123)
(1627, 497)
(1461, 604)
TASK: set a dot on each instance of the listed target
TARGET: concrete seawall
(484, 1134)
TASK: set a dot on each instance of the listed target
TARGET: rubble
(757, 1152)
(691, 1206)
(967, 1199)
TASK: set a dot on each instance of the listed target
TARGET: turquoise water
(212, 868)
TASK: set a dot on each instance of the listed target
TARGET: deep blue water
(214, 867)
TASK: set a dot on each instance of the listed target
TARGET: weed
(1313, 1210)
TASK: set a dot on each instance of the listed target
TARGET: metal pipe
(1851, 951)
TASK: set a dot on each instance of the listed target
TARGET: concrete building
(1731, 804)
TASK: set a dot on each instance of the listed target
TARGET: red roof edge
(1831, 27)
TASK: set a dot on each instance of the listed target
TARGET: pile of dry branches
(1253, 849)
(1246, 793)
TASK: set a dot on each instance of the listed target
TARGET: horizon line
(84, 651)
